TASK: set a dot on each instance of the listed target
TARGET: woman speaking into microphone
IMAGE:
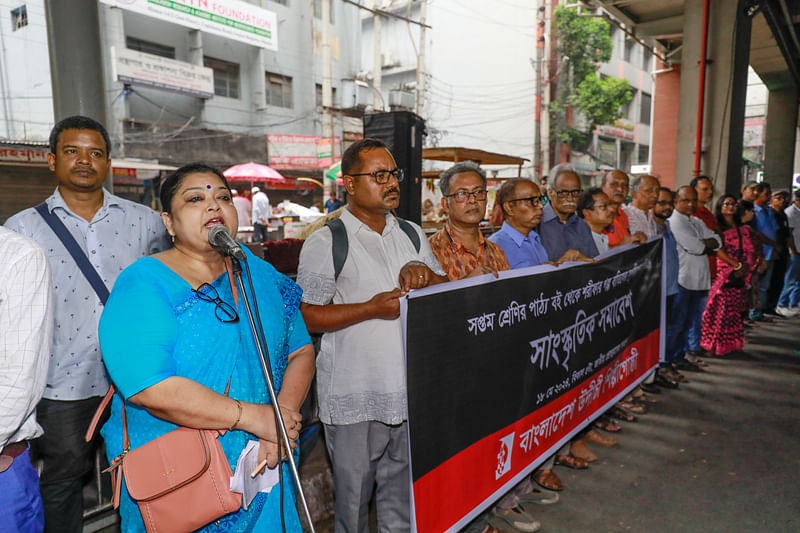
(180, 356)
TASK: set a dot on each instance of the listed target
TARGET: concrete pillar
(196, 58)
(258, 81)
(76, 63)
(111, 20)
(727, 54)
(779, 141)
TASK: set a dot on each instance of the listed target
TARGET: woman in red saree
(722, 330)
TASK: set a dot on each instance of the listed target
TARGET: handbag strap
(75, 251)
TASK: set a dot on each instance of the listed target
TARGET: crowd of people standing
(76, 268)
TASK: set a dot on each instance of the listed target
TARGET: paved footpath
(720, 454)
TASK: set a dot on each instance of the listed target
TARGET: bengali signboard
(753, 132)
(151, 70)
(22, 154)
(512, 368)
(298, 152)
(233, 19)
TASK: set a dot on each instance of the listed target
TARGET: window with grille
(279, 90)
(148, 47)
(19, 17)
(318, 9)
(644, 110)
(630, 48)
(226, 76)
(318, 89)
(644, 154)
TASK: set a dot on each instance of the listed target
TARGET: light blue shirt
(766, 224)
(521, 250)
(120, 233)
(672, 262)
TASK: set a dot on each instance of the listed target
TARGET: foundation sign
(233, 19)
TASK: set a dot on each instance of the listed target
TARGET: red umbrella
(254, 172)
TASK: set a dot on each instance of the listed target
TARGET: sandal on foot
(578, 448)
(570, 461)
(621, 414)
(595, 437)
(548, 479)
(606, 424)
(539, 496)
(633, 407)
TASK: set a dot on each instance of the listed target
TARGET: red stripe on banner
(451, 491)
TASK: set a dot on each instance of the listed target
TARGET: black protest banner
(502, 373)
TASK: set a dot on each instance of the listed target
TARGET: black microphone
(220, 238)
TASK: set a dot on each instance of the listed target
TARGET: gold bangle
(238, 416)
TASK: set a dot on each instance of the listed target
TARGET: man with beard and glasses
(112, 233)
(361, 382)
(665, 204)
(561, 229)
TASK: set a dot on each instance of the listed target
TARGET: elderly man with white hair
(561, 229)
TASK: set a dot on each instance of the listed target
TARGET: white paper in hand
(241, 481)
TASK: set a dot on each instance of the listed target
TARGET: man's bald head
(686, 200)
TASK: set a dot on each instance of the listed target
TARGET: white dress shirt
(26, 331)
(261, 208)
(689, 232)
(119, 233)
(640, 220)
(361, 373)
(601, 241)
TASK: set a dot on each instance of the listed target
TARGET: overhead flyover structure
(698, 105)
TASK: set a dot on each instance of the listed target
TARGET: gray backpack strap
(339, 245)
(409, 230)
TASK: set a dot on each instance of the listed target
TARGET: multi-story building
(626, 143)
(242, 85)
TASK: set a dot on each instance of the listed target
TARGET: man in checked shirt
(26, 332)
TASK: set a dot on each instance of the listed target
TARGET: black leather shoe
(663, 381)
(687, 366)
(650, 388)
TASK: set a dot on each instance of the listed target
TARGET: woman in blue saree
(172, 341)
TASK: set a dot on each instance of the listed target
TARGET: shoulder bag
(180, 480)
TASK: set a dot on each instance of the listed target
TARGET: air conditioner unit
(402, 100)
(356, 94)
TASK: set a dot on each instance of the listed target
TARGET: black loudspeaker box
(402, 132)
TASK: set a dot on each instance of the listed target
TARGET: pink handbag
(181, 480)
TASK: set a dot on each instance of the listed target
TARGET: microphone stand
(263, 355)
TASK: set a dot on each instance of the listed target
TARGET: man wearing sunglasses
(360, 366)
(561, 229)
(459, 246)
(521, 204)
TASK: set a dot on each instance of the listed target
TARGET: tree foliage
(583, 43)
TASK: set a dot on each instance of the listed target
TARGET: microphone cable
(260, 328)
